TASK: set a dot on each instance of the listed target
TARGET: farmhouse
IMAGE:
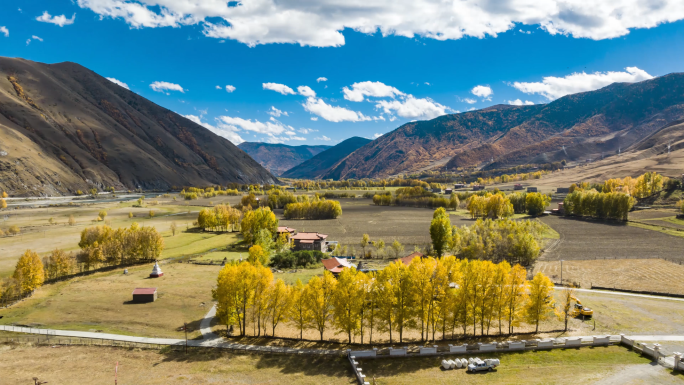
(531, 189)
(459, 185)
(407, 259)
(336, 265)
(448, 191)
(144, 294)
(478, 187)
(563, 190)
(518, 187)
(288, 231)
(310, 241)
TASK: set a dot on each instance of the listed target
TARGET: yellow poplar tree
(263, 279)
(318, 295)
(298, 312)
(257, 256)
(29, 271)
(348, 302)
(440, 231)
(541, 303)
(516, 296)
(3, 204)
(279, 298)
(234, 293)
(422, 271)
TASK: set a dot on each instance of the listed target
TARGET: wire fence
(52, 340)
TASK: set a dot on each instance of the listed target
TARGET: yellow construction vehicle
(579, 310)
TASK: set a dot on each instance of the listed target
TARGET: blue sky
(383, 66)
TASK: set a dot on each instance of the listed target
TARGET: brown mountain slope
(64, 127)
(416, 145)
(587, 124)
(278, 158)
(321, 163)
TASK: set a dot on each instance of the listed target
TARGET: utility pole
(185, 326)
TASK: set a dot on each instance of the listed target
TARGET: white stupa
(156, 271)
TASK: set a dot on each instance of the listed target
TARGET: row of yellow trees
(219, 218)
(446, 296)
(314, 209)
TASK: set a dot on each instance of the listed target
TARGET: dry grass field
(101, 302)
(654, 275)
(95, 365)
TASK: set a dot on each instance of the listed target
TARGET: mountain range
(278, 158)
(65, 128)
(321, 164)
(574, 127)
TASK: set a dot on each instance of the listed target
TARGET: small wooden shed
(144, 294)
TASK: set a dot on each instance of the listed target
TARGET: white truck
(478, 365)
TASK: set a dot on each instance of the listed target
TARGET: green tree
(440, 231)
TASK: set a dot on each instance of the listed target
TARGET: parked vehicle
(478, 365)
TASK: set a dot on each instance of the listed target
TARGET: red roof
(285, 229)
(309, 236)
(144, 290)
(407, 259)
(335, 265)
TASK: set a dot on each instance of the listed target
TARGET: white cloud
(314, 118)
(306, 130)
(470, 101)
(230, 88)
(60, 20)
(4, 31)
(359, 91)
(34, 37)
(377, 135)
(413, 108)
(166, 86)
(306, 91)
(280, 88)
(118, 82)
(518, 102)
(321, 79)
(323, 138)
(330, 113)
(219, 87)
(526, 32)
(321, 23)
(276, 112)
(223, 130)
(554, 87)
(272, 127)
(485, 92)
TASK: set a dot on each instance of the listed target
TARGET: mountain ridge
(277, 157)
(320, 164)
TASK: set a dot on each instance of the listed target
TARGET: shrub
(296, 259)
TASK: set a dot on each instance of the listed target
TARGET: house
(335, 265)
(478, 187)
(407, 259)
(532, 189)
(518, 187)
(309, 241)
(448, 191)
(288, 231)
(437, 190)
(144, 294)
(459, 185)
(563, 190)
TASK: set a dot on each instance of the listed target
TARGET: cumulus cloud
(518, 102)
(166, 86)
(118, 82)
(485, 92)
(321, 79)
(224, 130)
(411, 107)
(321, 23)
(4, 31)
(553, 87)
(323, 138)
(60, 20)
(330, 113)
(230, 89)
(279, 88)
(306, 91)
(276, 112)
(273, 127)
(359, 91)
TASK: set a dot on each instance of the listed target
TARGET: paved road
(624, 294)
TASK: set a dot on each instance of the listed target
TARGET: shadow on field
(609, 222)
(308, 365)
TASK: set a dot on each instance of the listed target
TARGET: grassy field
(91, 365)
(544, 367)
(654, 275)
(101, 302)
